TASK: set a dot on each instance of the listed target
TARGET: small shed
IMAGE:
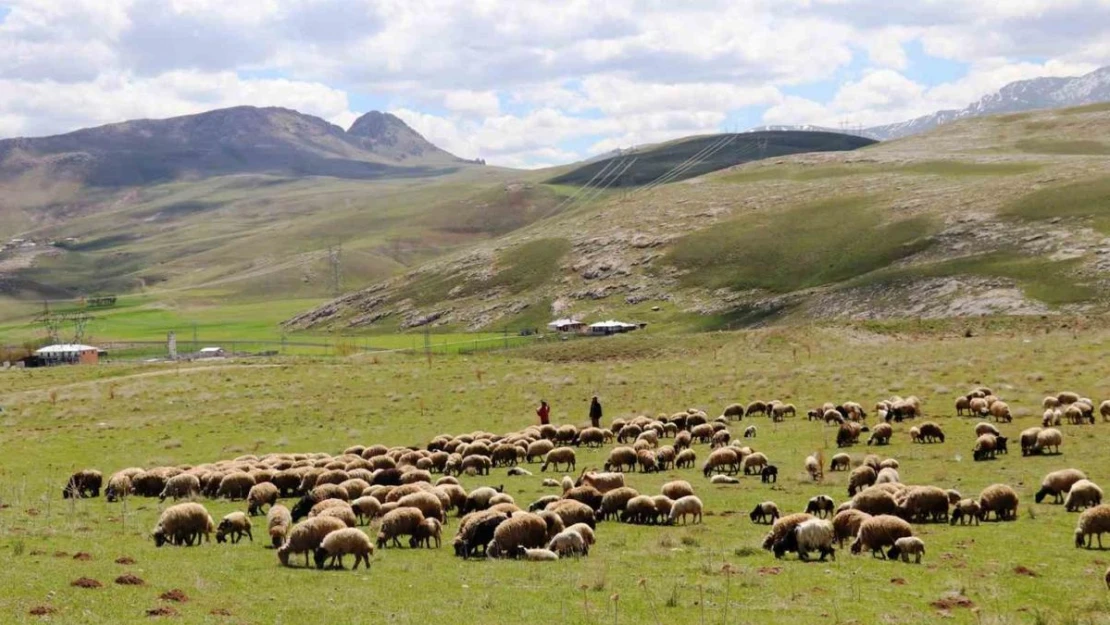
(566, 325)
(68, 354)
(611, 327)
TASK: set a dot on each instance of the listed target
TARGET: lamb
(966, 511)
(782, 527)
(306, 537)
(537, 555)
(234, 525)
(182, 524)
(568, 542)
(999, 499)
(769, 474)
(521, 530)
(1083, 494)
(1058, 483)
(263, 494)
(860, 478)
(1092, 522)
(811, 535)
(821, 506)
(278, 522)
(880, 532)
(84, 483)
(880, 434)
(906, 547)
(846, 524)
(766, 512)
(840, 462)
(366, 508)
(677, 489)
(723, 479)
(750, 431)
(347, 541)
(182, 486)
(397, 523)
(686, 506)
(813, 468)
(431, 530)
(1049, 438)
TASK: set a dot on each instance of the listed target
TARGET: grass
(947, 168)
(798, 248)
(151, 416)
(1088, 198)
(1077, 147)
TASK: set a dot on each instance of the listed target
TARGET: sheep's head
(857, 546)
(159, 536)
(1078, 538)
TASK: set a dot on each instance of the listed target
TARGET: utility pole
(428, 345)
(335, 260)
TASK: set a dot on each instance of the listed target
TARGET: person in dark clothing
(595, 413)
(544, 413)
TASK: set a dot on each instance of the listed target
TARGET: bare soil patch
(85, 582)
(174, 595)
(128, 579)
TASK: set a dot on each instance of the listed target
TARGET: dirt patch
(82, 556)
(161, 611)
(174, 595)
(128, 579)
(61, 554)
(220, 612)
(85, 582)
(32, 512)
(125, 560)
(1021, 570)
(42, 610)
(950, 601)
(770, 570)
(898, 581)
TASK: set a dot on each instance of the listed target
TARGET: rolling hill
(994, 215)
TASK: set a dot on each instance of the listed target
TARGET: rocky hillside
(238, 140)
(994, 215)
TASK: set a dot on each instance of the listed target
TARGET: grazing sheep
(1067, 398)
(846, 524)
(571, 512)
(677, 489)
(963, 404)
(840, 462)
(234, 525)
(686, 459)
(236, 485)
(1104, 410)
(1000, 411)
(639, 510)
(880, 434)
(84, 483)
(880, 532)
(366, 508)
(568, 543)
(431, 530)
(478, 499)
(119, 486)
(537, 555)
(343, 513)
(1092, 522)
(811, 535)
(753, 463)
(813, 468)
(821, 506)
(526, 530)
(756, 407)
(888, 476)
(263, 494)
(723, 479)
(860, 478)
(1083, 494)
(954, 496)
(848, 434)
(1058, 483)
(182, 524)
(930, 432)
(986, 428)
(766, 512)
(347, 541)
(985, 447)
(476, 531)
(785, 525)
(585, 494)
(183, 486)
(602, 482)
(686, 506)
(278, 522)
(538, 449)
(906, 547)
(1049, 438)
(875, 501)
(306, 537)
(397, 523)
(724, 460)
(543, 502)
(769, 474)
(554, 522)
(966, 511)
(750, 431)
(734, 411)
(622, 458)
(1029, 440)
(999, 499)
(921, 504)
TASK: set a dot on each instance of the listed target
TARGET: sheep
(1050, 402)
(234, 525)
(278, 522)
(84, 483)
(915, 435)
(1058, 483)
(966, 511)
(813, 468)
(183, 486)
(781, 411)
(733, 411)
(571, 512)
(1048, 438)
(881, 434)
(861, 477)
(521, 530)
(846, 524)
(366, 508)
(963, 404)
(677, 489)
(921, 504)
(542, 502)
(585, 531)
(119, 486)
(906, 547)
(1029, 440)
(889, 463)
(431, 530)
(986, 428)
(888, 476)
(620, 458)
(431, 506)
(753, 463)
(879, 532)
(686, 459)
(723, 479)
(1107, 578)
(756, 407)
(182, 524)
(985, 447)
(930, 432)
(978, 406)
(263, 494)
(689, 505)
(766, 512)
(306, 537)
(478, 499)
(750, 431)
(585, 494)
(347, 541)
(1000, 411)
(724, 460)
(785, 525)
(639, 510)
(1083, 494)
(848, 434)
(566, 483)
(1104, 410)
(875, 501)
(549, 482)
(343, 513)
(954, 496)
(476, 531)
(1067, 398)
(537, 555)
(840, 462)
(811, 535)
(769, 474)
(538, 449)
(397, 523)
(236, 485)
(1092, 522)
(554, 522)
(1000, 499)
(568, 542)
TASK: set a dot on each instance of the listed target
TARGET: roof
(66, 348)
(211, 349)
(565, 322)
(613, 324)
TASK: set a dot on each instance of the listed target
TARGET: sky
(530, 83)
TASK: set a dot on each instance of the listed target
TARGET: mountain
(239, 140)
(999, 215)
(1016, 97)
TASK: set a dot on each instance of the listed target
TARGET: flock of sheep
(407, 492)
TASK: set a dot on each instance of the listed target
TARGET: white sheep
(1083, 494)
(811, 535)
(685, 506)
(907, 546)
(568, 543)
(343, 542)
(537, 555)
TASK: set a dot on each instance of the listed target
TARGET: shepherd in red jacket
(544, 413)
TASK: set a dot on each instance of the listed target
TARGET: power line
(570, 200)
(610, 183)
(651, 185)
(694, 161)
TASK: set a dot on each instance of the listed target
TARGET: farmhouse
(68, 354)
(612, 327)
(566, 325)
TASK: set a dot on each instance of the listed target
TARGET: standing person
(544, 413)
(595, 412)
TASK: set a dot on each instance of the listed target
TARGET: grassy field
(110, 417)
